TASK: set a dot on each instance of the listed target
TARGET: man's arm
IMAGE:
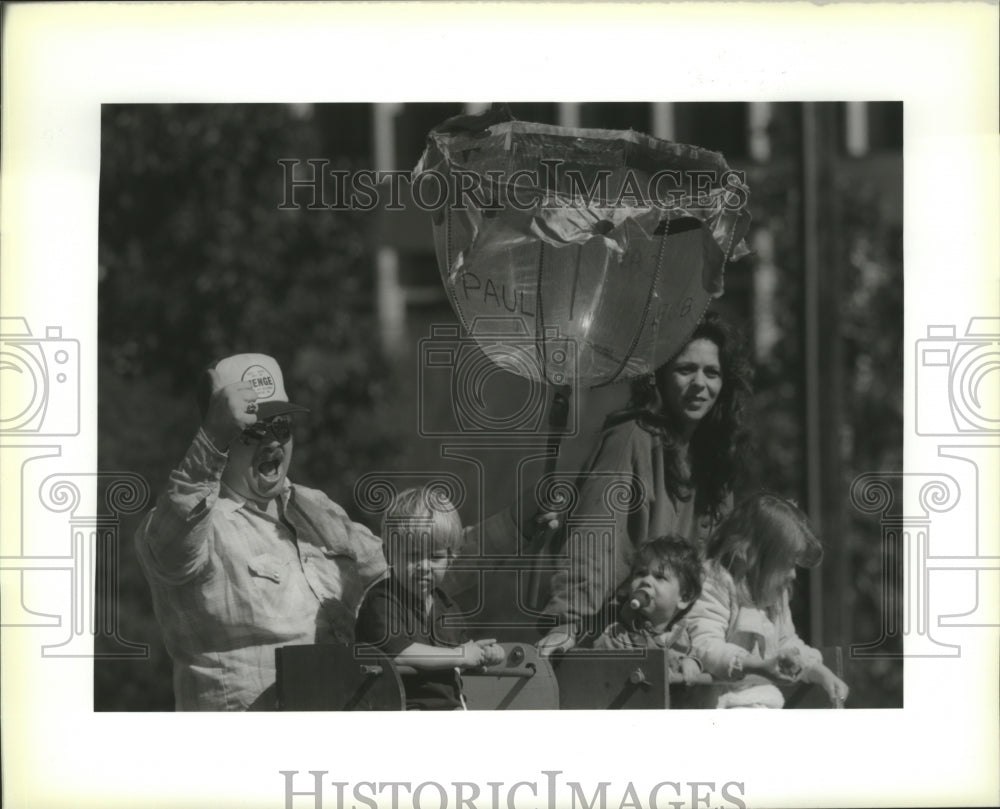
(174, 539)
(173, 542)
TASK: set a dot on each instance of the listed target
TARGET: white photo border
(62, 61)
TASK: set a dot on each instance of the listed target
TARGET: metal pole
(823, 357)
(390, 296)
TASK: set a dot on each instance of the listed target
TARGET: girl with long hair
(741, 626)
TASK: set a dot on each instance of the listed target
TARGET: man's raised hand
(231, 409)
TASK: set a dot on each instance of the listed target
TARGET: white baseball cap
(264, 374)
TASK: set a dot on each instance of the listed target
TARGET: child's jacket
(622, 636)
(393, 619)
(724, 630)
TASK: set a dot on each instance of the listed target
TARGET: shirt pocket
(269, 586)
(268, 566)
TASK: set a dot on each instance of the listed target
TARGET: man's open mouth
(268, 467)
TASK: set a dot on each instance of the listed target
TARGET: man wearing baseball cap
(239, 559)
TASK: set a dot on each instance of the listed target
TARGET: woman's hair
(678, 554)
(420, 520)
(763, 537)
(719, 444)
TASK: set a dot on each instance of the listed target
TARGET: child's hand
(836, 689)
(492, 652)
(778, 668)
(559, 639)
(689, 669)
(495, 654)
(790, 663)
(474, 653)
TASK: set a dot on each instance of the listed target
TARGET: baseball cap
(264, 374)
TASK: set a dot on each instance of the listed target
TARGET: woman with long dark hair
(675, 452)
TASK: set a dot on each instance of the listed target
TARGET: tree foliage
(867, 248)
(197, 262)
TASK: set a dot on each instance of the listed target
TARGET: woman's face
(693, 381)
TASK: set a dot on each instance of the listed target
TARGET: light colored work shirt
(231, 583)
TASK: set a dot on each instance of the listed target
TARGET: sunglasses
(279, 427)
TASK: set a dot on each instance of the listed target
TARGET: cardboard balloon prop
(612, 242)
